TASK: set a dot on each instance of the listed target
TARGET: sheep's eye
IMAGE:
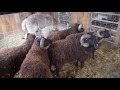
(102, 33)
(86, 40)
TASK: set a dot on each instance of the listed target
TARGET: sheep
(12, 58)
(101, 34)
(74, 47)
(58, 35)
(48, 29)
(36, 63)
(36, 22)
(41, 24)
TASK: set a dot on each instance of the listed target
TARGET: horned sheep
(100, 34)
(58, 35)
(74, 47)
(12, 58)
(36, 63)
(41, 24)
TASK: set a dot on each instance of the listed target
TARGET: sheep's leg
(50, 66)
(93, 51)
(57, 72)
(82, 64)
(76, 64)
(92, 55)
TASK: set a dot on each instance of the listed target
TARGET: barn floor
(105, 65)
(12, 40)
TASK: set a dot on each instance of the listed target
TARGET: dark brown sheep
(36, 63)
(74, 47)
(101, 34)
(58, 35)
(12, 58)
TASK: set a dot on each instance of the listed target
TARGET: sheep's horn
(82, 40)
(98, 33)
(79, 27)
(25, 36)
(42, 44)
(101, 40)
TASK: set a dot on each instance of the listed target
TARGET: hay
(105, 65)
(12, 40)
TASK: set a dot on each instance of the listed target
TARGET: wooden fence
(11, 23)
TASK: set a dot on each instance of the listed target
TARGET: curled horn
(25, 36)
(82, 40)
(98, 33)
(42, 44)
(79, 27)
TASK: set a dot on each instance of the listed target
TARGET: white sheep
(41, 24)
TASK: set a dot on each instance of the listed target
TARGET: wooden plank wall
(79, 17)
(82, 17)
(117, 38)
(11, 23)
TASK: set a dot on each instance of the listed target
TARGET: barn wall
(82, 17)
(75, 17)
(117, 38)
(11, 23)
(79, 17)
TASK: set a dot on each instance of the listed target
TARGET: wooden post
(75, 17)
(17, 21)
(8, 24)
(86, 21)
(2, 25)
(13, 24)
(117, 38)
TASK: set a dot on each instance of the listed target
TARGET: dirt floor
(105, 65)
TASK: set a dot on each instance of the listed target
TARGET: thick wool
(59, 35)
(68, 50)
(36, 63)
(12, 58)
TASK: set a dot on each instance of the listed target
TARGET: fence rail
(11, 22)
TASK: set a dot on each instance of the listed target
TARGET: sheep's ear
(28, 34)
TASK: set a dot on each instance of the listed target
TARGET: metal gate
(105, 20)
(64, 18)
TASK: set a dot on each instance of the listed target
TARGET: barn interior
(106, 63)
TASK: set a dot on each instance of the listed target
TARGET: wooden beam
(8, 23)
(117, 38)
(2, 25)
(2, 13)
(13, 23)
(75, 17)
(86, 20)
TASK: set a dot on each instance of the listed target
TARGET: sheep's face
(93, 42)
(87, 40)
(105, 34)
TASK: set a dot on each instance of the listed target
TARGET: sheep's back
(39, 70)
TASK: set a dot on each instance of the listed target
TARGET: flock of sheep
(54, 46)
